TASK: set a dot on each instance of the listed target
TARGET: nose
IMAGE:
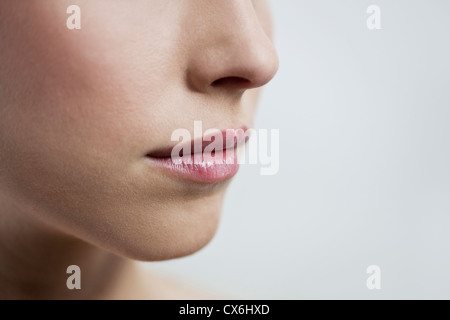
(230, 48)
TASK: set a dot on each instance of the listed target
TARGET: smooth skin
(79, 111)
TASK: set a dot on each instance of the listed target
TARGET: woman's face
(81, 109)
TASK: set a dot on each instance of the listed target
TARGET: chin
(176, 229)
(177, 237)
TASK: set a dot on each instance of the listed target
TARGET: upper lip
(230, 141)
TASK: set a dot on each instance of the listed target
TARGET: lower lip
(202, 168)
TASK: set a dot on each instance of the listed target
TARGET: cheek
(93, 90)
(69, 118)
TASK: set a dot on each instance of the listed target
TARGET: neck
(34, 260)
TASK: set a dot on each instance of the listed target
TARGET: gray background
(364, 161)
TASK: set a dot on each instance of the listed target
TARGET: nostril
(231, 82)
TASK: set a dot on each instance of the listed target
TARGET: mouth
(209, 159)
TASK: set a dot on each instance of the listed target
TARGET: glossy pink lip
(201, 165)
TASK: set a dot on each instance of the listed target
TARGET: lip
(202, 165)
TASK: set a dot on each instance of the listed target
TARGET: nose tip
(242, 67)
(237, 58)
